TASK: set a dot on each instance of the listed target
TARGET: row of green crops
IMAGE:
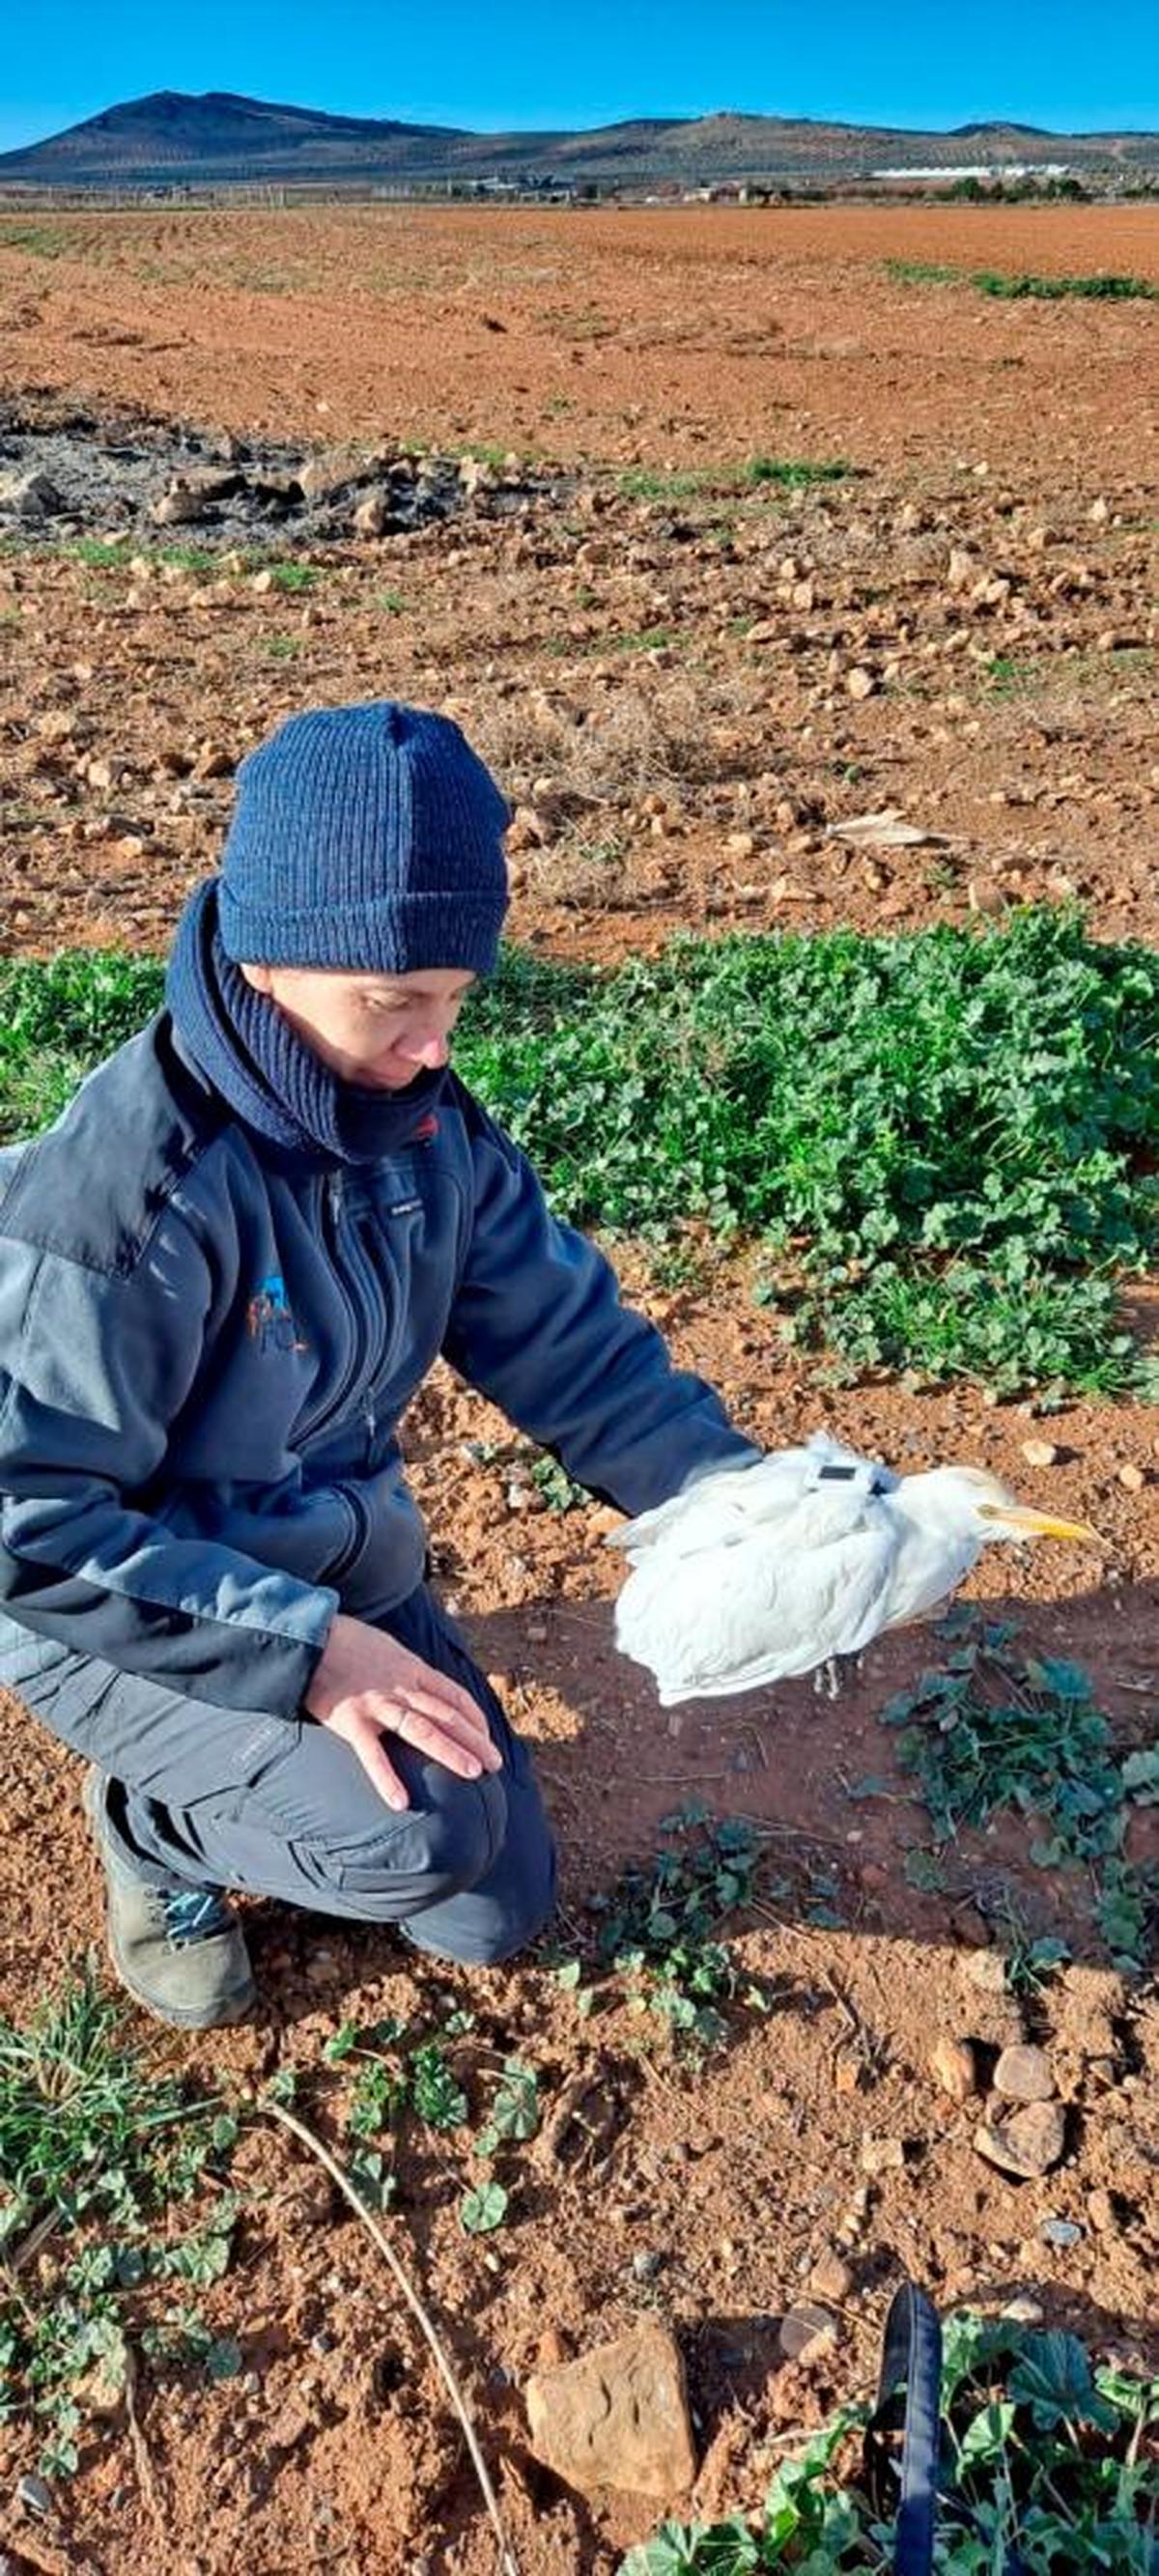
(941, 1141)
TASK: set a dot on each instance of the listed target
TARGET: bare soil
(662, 680)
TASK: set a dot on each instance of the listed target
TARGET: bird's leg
(831, 1676)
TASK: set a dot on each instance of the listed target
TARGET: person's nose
(431, 1050)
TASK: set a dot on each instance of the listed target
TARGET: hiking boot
(178, 1949)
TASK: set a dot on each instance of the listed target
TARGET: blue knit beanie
(366, 837)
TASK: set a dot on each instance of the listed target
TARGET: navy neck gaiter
(247, 1049)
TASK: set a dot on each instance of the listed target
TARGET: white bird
(765, 1572)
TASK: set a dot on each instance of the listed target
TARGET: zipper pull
(334, 1193)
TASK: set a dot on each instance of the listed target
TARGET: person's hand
(367, 1684)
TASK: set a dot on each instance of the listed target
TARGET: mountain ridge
(222, 137)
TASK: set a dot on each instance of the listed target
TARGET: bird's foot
(831, 1676)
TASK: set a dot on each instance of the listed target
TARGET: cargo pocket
(58, 1686)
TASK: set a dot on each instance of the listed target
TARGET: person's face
(378, 1030)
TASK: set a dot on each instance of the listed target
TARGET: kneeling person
(227, 1268)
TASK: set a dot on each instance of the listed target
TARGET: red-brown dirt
(661, 679)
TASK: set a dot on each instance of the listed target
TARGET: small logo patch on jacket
(268, 1318)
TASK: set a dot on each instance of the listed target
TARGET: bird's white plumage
(766, 1572)
(722, 1510)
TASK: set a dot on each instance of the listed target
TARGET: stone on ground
(616, 2417)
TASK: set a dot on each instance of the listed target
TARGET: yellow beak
(1022, 1516)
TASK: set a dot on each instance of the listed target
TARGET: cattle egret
(765, 1572)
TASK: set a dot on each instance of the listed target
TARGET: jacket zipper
(372, 1354)
(377, 1350)
(330, 1194)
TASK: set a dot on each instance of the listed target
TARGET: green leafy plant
(1103, 287)
(94, 2148)
(45, 241)
(942, 1142)
(797, 473)
(515, 2110)
(921, 272)
(293, 576)
(650, 639)
(437, 2095)
(1046, 2463)
(659, 1924)
(1100, 288)
(559, 1490)
(992, 1728)
(648, 483)
(483, 2209)
(940, 1135)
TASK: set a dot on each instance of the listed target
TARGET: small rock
(309, 2200)
(291, 2422)
(646, 2264)
(176, 508)
(325, 474)
(859, 683)
(1090, 2000)
(34, 2493)
(832, 2278)
(882, 2155)
(1024, 2310)
(1027, 2144)
(1062, 2232)
(1132, 1477)
(262, 582)
(527, 830)
(962, 567)
(1023, 2074)
(616, 2417)
(954, 2065)
(741, 844)
(374, 515)
(1040, 1453)
(806, 2332)
(987, 1970)
(33, 495)
(476, 476)
(1101, 2212)
(208, 482)
(1098, 513)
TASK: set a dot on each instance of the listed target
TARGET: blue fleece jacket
(207, 1340)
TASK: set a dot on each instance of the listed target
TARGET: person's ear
(260, 977)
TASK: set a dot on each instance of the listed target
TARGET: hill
(170, 138)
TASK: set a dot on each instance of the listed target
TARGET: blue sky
(514, 65)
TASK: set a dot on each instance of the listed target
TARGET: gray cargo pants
(274, 1806)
